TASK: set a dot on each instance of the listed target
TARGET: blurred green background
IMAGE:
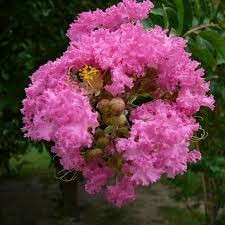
(33, 32)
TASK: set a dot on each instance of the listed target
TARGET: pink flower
(126, 12)
(128, 50)
(158, 142)
(59, 113)
(123, 191)
(97, 175)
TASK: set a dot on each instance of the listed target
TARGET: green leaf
(197, 9)
(203, 54)
(188, 15)
(157, 12)
(215, 39)
(147, 23)
(172, 14)
(180, 16)
(165, 17)
(214, 6)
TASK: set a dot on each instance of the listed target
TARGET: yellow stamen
(88, 72)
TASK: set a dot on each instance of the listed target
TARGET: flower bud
(104, 106)
(108, 130)
(102, 142)
(122, 120)
(122, 132)
(116, 161)
(117, 106)
(93, 153)
(119, 121)
(99, 133)
(110, 120)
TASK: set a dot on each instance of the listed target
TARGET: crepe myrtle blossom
(120, 103)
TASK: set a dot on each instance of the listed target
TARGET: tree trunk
(210, 201)
(69, 191)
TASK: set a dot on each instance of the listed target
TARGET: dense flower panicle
(125, 12)
(85, 102)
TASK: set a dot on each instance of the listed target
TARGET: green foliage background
(33, 32)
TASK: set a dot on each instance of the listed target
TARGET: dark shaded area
(37, 201)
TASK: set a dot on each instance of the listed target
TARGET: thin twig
(203, 26)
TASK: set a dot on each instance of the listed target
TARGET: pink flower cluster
(125, 12)
(55, 110)
(59, 110)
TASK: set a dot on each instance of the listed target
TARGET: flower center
(88, 72)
